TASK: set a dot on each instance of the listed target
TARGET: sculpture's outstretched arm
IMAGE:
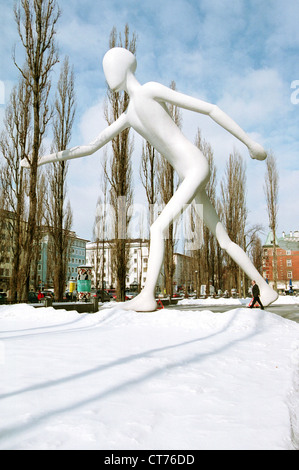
(162, 93)
(84, 150)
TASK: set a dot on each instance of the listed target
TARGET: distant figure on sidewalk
(256, 295)
(40, 296)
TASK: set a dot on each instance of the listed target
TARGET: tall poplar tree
(167, 179)
(15, 144)
(120, 172)
(234, 210)
(59, 213)
(271, 189)
(36, 22)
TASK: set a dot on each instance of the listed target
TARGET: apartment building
(287, 249)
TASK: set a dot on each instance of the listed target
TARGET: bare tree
(233, 200)
(41, 195)
(271, 189)
(256, 250)
(59, 213)
(148, 175)
(120, 172)
(15, 144)
(207, 267)
(36, 22)
(100, 234)
(167, 179)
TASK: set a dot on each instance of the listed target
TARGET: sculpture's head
(117, 63)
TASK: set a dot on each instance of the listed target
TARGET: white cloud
(85, 173)
(256, 98)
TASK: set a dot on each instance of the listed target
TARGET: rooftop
(286, 241)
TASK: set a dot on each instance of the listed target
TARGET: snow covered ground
(282, 300)
(172, 379)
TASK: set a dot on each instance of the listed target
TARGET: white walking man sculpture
(147, 114)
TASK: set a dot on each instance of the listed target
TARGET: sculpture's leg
(211, 219)
(145, 301)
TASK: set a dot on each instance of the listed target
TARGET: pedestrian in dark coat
(256, 295)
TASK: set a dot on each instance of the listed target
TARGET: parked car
(115, 297)
(131, 295)
(177, 295)
(48, 294)
(98, 293)
(3, 297)
(112, 293)
(70, 296)
(32, 298)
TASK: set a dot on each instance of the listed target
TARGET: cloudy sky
(241, 55)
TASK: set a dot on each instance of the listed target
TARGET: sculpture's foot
(268, 295)
(141, 303)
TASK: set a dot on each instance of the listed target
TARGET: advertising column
(84, 283)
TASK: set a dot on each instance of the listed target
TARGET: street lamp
(196, 274)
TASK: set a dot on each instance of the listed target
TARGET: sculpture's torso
(150, 118)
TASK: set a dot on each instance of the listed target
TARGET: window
(290, 274)
(289, 252)
(289, 262)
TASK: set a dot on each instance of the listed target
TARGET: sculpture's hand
(25, 163)
(257, 152)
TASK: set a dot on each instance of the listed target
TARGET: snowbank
(282, 300)
(211, 302)
(165, 380)
(286, 300)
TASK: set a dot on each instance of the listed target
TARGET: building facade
(287, 249)
(7, 221)
(76, 257)
(138, 252)
(100, 257)
(42, 267)
(184, 278)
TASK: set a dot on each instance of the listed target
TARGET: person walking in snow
(256, 295)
